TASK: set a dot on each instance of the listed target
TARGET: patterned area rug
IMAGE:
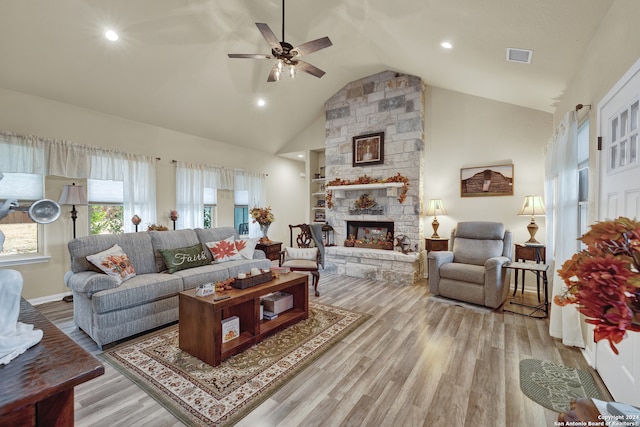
(201, 395)
(554, 386)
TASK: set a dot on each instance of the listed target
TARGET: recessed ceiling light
(301, 156)
(111, 35)
(446, 45)
(261, 102)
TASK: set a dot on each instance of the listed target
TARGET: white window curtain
(31, 154)
(193, 182)
(23, 154)
(139, 189)
(561, 198)
(254, 184)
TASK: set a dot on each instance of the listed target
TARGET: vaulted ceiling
(170, 66)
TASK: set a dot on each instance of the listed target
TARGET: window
(583, 180)
(623, 150)
(241, 212)
(22, 235)
(106, 206)
(210, 202)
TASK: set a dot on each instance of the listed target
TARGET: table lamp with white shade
(533, 206)
(434, 209)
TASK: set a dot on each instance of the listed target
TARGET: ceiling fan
(286, 54)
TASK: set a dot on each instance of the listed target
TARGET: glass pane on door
(633, 122)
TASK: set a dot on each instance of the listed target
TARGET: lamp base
(533, 229)
(435, 224)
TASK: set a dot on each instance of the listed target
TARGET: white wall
(27, 114)
(466, 131)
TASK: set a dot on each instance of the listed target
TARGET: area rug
(554, 386)
(202, 395)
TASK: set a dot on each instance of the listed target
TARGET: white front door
(619, 195)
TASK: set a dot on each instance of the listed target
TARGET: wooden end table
(200, 324)
(271, 249)
(436, 244)
(37, 386)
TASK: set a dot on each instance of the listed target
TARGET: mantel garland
(368, 180)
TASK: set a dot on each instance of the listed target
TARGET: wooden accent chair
(306, 254)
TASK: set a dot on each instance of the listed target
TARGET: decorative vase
(264, 229)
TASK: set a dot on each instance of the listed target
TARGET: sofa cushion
(224, 250)
(246, 247)
(114, 262)
(138, 290)
(210, 273)
(183, 258)
(170, 240)
(215, 234)
(463, 272)
(136, 245)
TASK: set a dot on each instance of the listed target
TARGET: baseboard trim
(48, 298)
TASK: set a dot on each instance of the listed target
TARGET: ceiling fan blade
(269, 36)
(249, 55)
(312, 46)
(308, 68)
(272, 74)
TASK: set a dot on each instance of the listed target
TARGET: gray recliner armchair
(472, 270)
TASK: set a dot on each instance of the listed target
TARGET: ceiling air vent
(519, 55)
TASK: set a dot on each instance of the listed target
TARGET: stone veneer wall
(389, 102)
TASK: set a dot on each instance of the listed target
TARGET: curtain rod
(581, 106)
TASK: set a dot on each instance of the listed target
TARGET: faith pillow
(114, 262)
(183, 258)
(224, 250)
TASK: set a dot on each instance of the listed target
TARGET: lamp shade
(532, 206)
(73, 195)
(435, 208)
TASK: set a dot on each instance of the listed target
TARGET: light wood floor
(416, 362)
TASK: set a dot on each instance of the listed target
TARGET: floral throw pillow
(183, 258)
(114, 262)
(224, 250)
(246, 247)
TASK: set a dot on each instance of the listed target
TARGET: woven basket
(252, 280)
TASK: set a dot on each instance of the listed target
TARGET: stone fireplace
(391, 103)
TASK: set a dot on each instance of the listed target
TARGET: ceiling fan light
(292, 71)
(280, 65)
(276, 74)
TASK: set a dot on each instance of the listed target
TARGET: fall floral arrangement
(604, 279)
(369, 180)
(157, 227)
(262, 216)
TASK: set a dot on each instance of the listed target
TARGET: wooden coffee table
(200, 318)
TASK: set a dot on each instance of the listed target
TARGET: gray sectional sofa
(108, 311)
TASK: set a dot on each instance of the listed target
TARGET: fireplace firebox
(371, 234)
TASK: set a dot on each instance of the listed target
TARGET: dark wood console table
(37, 386)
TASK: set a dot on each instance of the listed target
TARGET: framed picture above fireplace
(368, 149)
